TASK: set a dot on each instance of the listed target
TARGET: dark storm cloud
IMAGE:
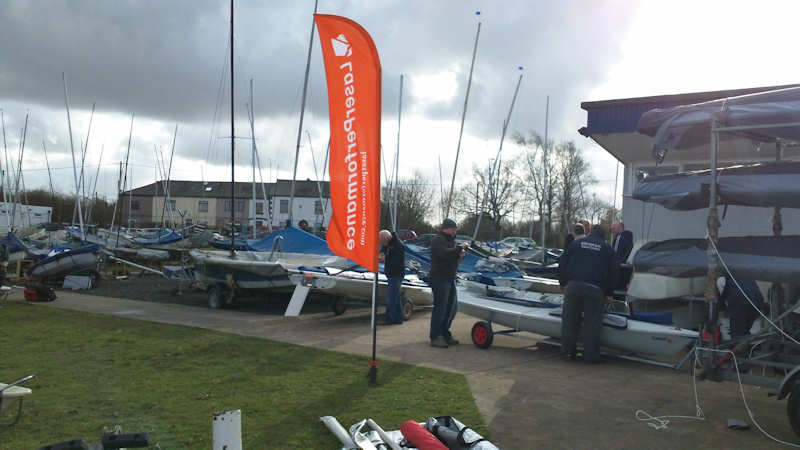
(163, 61)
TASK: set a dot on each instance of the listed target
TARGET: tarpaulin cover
(762, 258)
(13, 243)
(766, 185)
(294, 240)
(688, 126)
(467, 265)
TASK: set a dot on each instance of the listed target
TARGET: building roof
(222, 189)
(612, 123)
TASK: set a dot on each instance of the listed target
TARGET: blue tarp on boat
(294, 240)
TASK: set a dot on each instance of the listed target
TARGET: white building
(25, 216)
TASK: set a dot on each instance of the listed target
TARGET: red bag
(419, 437)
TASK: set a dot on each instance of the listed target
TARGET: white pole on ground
(227, 429)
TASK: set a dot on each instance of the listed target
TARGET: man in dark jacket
(622, 243)
(587, 273)
(445, 256)
(393, 255)
(741, 311)
(577, 233)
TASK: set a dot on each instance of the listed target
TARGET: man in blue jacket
(587, 273)
(393, 255)
(445, 256)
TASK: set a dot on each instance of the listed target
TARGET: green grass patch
(96, 370)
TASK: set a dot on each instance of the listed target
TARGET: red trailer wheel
(482, 334)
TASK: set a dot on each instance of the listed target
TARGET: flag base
(372, 375)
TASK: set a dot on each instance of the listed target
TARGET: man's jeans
(394, 307)
(445, 305)
(587, 300)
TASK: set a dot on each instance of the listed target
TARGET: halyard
(98, 370)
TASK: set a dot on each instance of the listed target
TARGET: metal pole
(3, 176)
(74, 168)
(166, 188)
(397, 155)
(83, 162)
(124, 182)
(545, 183)
(19, 173)
(496, 164)
(373, 365)
(49, 177)
(463, 116)
(233, 183)
(302, 112)
(316, 173)
(713, 224)
(253, 158)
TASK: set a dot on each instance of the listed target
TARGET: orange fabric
(353, 72)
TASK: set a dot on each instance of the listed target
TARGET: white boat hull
(638, 337)
(358, 285)
(528, 283)
(70, 263)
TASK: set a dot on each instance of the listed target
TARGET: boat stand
(630, 357)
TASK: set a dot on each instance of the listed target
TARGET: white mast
(74, 168)
(463, 116)
(3, 175)
(302, 112)
(397, 154)
(546, 194)
(253, 158)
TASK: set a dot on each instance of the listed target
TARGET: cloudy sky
(164, 61)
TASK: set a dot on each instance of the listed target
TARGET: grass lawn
(96, 370)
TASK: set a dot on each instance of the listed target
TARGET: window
(189, 221)
(318, 207)
(259, 207)
(259, 224)
(284, 206)
(239, 205)
(227, 206)
(202, 206)
(170, 205)
(135, 205)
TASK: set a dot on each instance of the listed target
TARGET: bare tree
(572, 178)
(538, 165)
(415, 203)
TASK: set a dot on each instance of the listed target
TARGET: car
(518, 242)
(405, 235)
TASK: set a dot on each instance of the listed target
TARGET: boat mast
(397, 154)
(463, 116)
(85, 147)
(74, 168)
(302, 112)
(3, 175)
(496, 165)
(258, 161)
(124, 177)
(233, 185)
(49, 176)
(546, 193)
(253, 157)
(94, 185)
(317, 175)
(166, 189)
(19, 173)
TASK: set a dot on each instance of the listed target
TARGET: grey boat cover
(687, 126)
(763, 258)
(764, 185)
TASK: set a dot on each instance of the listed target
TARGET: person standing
(587, 273)
(622, 243)
(393, 255)
(577, 233)
(445, 256)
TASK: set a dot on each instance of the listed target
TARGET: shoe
(451, 341)
(439, 342)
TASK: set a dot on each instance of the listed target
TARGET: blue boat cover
(91, 248)
(13, 243)
(295, 240)
(164, 237)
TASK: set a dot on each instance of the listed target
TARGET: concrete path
(528, 396)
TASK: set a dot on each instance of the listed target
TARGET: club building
(209, 203)
(612, 124)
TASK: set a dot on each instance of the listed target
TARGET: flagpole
(373, 364)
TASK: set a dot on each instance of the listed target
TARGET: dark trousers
(582, 302)
(742, 316)
(394, 307)
(445, 305)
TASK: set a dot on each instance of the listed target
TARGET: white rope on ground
(661, 422)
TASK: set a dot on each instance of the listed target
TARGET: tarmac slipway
(528, 396)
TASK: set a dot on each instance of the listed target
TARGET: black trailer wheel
(338, 306)
(482, 334)
(218, 297)
(793, 408)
